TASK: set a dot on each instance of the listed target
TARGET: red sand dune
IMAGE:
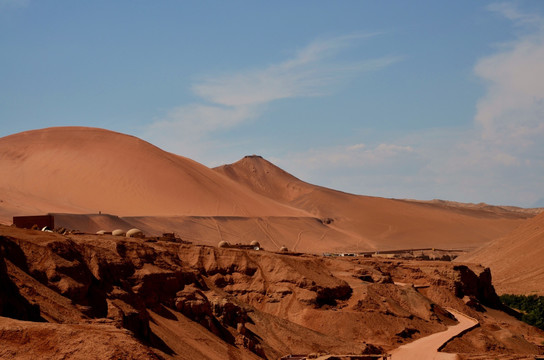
(380, 223)
(516, 260)
(86, 170)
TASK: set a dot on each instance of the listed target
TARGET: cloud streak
(355, 156)
(307, 74)
(296, 78)
(231, 100)
(511, 114)
(511, 12)
(14, 3)
(513, 107)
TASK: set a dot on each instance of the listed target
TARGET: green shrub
(531, 308)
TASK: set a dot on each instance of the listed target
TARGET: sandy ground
(427, 348)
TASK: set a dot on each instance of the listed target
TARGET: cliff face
(177, 301)
(476, 284)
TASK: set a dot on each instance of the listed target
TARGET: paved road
(427, 348)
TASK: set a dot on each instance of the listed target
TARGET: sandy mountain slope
(75, 170)
(516, 260)
(382, 223)
(267, 179)
(87, 170)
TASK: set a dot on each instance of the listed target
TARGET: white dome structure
(135, 233)
(223, 244)
(118, 232)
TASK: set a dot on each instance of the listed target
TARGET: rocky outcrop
(121, 280)
(476, 284)
(250, 303)
(260, 279)
(192, 302)
(54, 261)
(369, 274)
(12, 303)
(89, 341)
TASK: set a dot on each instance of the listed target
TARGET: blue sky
(404, 99)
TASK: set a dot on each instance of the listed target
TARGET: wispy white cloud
(198, 119)
(513, 108)
(511, 12)
(308, 73)
(232, 99)
(382, 169)
(186, 130)
(14, 3)
(356, 147)
(511, 114)
(353, 156)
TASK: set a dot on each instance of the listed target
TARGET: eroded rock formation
(161, 297)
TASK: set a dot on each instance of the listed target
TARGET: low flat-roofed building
(28, 222)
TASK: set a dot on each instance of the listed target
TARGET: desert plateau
(245, 261)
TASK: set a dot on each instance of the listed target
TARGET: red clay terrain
(110, 297)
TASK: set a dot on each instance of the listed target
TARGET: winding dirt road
(427, 348)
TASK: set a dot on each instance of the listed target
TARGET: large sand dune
(516, 260)
(86, 171)
(383, 223)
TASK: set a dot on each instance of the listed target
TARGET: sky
(398, 99)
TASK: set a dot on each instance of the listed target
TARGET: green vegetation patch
(531, 308)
